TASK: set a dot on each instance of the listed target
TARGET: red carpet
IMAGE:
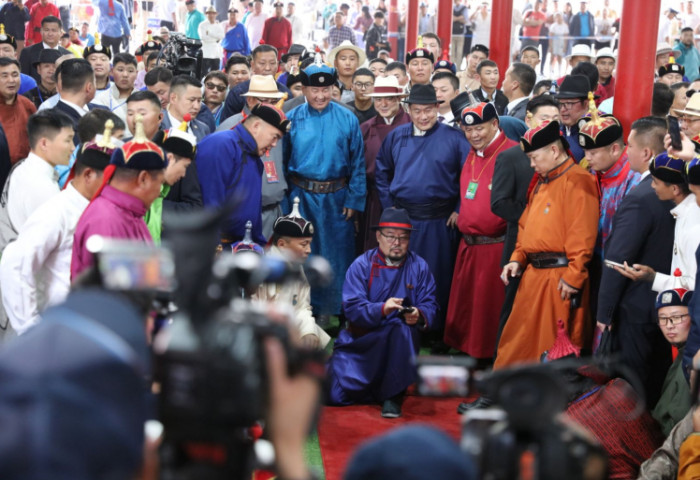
(342, 429)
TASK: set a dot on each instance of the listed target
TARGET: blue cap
(446, 64)
(319, 76)
(667, 169)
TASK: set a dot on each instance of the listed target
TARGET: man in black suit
(50, 36)
(517, 85)
(512, 175)
(488, 78)
(642, 233)
(77, 88)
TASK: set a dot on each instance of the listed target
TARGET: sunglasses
(212, 86)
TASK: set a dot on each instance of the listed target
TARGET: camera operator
(292, 238)
(388, 299)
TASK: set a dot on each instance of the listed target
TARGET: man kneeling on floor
(388, 299)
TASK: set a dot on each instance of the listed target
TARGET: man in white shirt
(33, 181)
(185, 98)
(298, 27)
(166, 11)
(517, 86)
(77, 81)
(211, 33)
(35, 269)
(446, 88)
(255, 23)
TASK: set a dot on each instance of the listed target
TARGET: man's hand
(411, 318)
(687, 153)
(348, 213)
(392, 305)
(310, 341)
(293, 402)
(637, 272)
(510, 270)
(452, 221)
(566, 290)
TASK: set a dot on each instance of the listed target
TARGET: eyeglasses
(673, 319)
(363, 86)
(685, 120)
(569, 105)
(212, 86)
(393, 239)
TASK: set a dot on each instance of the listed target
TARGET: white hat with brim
(664, 47)
(263, 86)
(692, 107)
(580, 50)
(605, 52)
(347, 45)
(387, 87)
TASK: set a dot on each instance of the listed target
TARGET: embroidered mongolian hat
(671, 67)
(319, 75)
(393, 217)
(149, 44)
(692, 171)
(542, 135)
(667, 169)
(97, 48)
(677, 297)
(478, 114)
(597, 130)
(293, 225)
(98, 153)
(140, 153)
(7, 38)
(419, 53)
(445, 65)
(177, 140)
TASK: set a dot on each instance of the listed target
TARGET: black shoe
(481, 402)
(439, 347)
(391, 409)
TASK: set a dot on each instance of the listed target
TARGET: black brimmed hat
(295, 49)
(459, 103)
(393, 217)
(422, 95)
(692, 171)
(47, 55)
(293, 225)
(574, 86)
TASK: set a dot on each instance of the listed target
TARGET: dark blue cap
(667, 169)
(393, 217)
(446, 64)
(415, 452)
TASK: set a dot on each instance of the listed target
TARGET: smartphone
(611, 264)
(674, 130)
(444, 376)
(405, 310)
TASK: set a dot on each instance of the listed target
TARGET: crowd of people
(495, 211)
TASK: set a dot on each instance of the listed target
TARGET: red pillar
(444, 26)
(393, 28)
(635, 61)
(501, 22)
(412, 25)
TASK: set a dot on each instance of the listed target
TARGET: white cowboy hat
(606, 52)
(664, 47)
(580, 50)
(387, 87)
(347, 45)
(263, 86)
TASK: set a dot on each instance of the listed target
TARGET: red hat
(478, 114)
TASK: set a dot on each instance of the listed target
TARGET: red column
(501, 22)
(412, 25)
(444, 26)
(393, 27)
(635, 61)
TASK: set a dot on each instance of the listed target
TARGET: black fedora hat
(574, 86)
(47, 55)
(459, 103)
(422, 95)
(393, 217)
(295, 49)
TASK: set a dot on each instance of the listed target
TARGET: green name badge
(471, 190)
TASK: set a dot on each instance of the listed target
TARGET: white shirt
(447, 117)
(255, 25)
(31, 184)
(50, 102)
(685, 242)
(81, 110)
(211, 34)
(165, 9)
(174, 123)
(110, 99)
(298, 35)
(35, 269)
(50, 48)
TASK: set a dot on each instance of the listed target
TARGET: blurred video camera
(183, 56)
(524, 437)
(210, 359)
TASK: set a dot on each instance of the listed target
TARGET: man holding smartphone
(388, 299)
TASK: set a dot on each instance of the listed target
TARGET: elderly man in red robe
(470, 325)
(387, 97)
